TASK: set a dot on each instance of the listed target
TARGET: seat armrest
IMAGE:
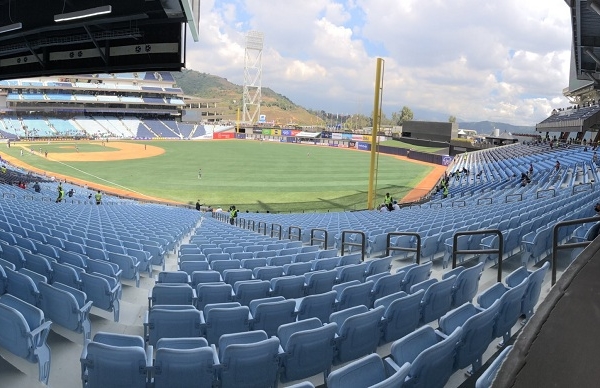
(390, 366)
(149, 356)
(86, 307)
(40, 333)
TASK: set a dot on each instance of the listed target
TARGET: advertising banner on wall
(286, 132)
(347, 136)
(446, 160)
(364, 146)
(240, 135)
(351, 144)
(295, 132)
(223, 135)
(291, 139)
(276, 132)
(337, 136)
(266, 131)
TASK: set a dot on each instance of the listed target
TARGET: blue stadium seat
(319, 282)
(534, 286)
(431, 357)
(269, 313)
(102, 291)
(353, 294)
(402, 314)
(224, 318)
(359, 330)
(267, 272)
(487, 377)
(208, 293)
(22, 287)
(437, 300)
(24, 333)
(288, 286)
(187, 362)
(375, 266)
(172, 321)
(466, 285)
(316, 306)
(171, 294)
(308, 349)
(67, 307)
(115, 360)
(249, 290)
(190, 266)
(248, 360)
(368, 371)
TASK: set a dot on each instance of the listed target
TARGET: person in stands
(388, 201)
(233, 213)
(61, 193)
(98, 197)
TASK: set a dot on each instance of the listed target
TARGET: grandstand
(141, 105)
(299, 281)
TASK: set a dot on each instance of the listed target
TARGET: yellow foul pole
(376, 116)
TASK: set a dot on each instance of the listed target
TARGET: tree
(452, 119)
(404, 115)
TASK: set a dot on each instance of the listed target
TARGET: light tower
(252, 76)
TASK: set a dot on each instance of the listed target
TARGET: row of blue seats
(27, 282)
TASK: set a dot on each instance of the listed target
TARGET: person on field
(61, 193)
(98, 197)
(233, 213)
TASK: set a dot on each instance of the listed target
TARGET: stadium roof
(50, 37)
(585, 20)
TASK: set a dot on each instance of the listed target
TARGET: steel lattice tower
(252, 76)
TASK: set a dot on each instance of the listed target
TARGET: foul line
(102, 179)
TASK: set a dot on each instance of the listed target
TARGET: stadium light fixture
(10, 27)
(85, 13)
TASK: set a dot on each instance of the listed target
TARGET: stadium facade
(141, 105)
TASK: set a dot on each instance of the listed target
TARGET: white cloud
(501, 61)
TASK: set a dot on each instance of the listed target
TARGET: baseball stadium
(147, 242)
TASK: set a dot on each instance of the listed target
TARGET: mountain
(276, 107)
(486, 127)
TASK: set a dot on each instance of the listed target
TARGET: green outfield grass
(249, 174)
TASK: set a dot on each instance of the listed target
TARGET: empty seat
(320, 281)
(308, 348)
(316, 306)
(128, 264)
(288, 286)
(115, 360)
(487, 377)
(224, 318)
(380, 265)
(171, 294)
(477, 332)
(209, 276)
(102, 291)
(431, 357)
(267, 273)
(22, 287)
(248, 360)
(24, 333)
(352, 258)
(173, 277)
(534, 286)
(437, 300)
(172, 321)
(65, 274)
(280, 260)
(213, 257)
(353, 294)
(187, 362)
(352, 272)
(387, 285)
(248, 290)
(466, 285)
(325, 264)
(359, 330)
(222, 265)
(368, 371)
(296, 269)
(402, 314)
(67, 307)
(253, 263)
(231, 276)
(416, 274)
(212, 293)
(190, 266)
(269, 313)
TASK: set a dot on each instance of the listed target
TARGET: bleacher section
(275, 307)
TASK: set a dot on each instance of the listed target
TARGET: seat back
(222, 265)
(246, 291)
(172, 294)
(402, 314)
(364, 372)
(317, 306)
(307, 351)
(466, 285)
(184, 367)
(63, 306)
(478, 333)
(359, 335)
(269, 313)
(114, 366)
(325, 264)
(13, 254)
(250, 365)
(65, 274)
(320, 281)
(437, 300)
(355, 295)
(190, 266)
(534, 289)
(416, 274)
(352, 272)
(231, 276)
(103, 295)
(510, 309)
(268, 272)
(288, 286)
(388, 285)
(253, 263)
(380, 265)
(296, 269)
(212, 293)
(225, 319)
(22, 287)
(38, 264)
(166, 321)
(173, 277)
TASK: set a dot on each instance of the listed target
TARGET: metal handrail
(486, 198)
(290, 235)
(464, 203)
(242, 223)
(313, 239)
(584, 185)
(499, 251)
(537, 195)
(519, 195)
(264, 227)
(278, 230)
(417, 249)
(556, 247)
(253, 223)
(435, 203)
(353, 244)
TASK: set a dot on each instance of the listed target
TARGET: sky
(497, 60)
